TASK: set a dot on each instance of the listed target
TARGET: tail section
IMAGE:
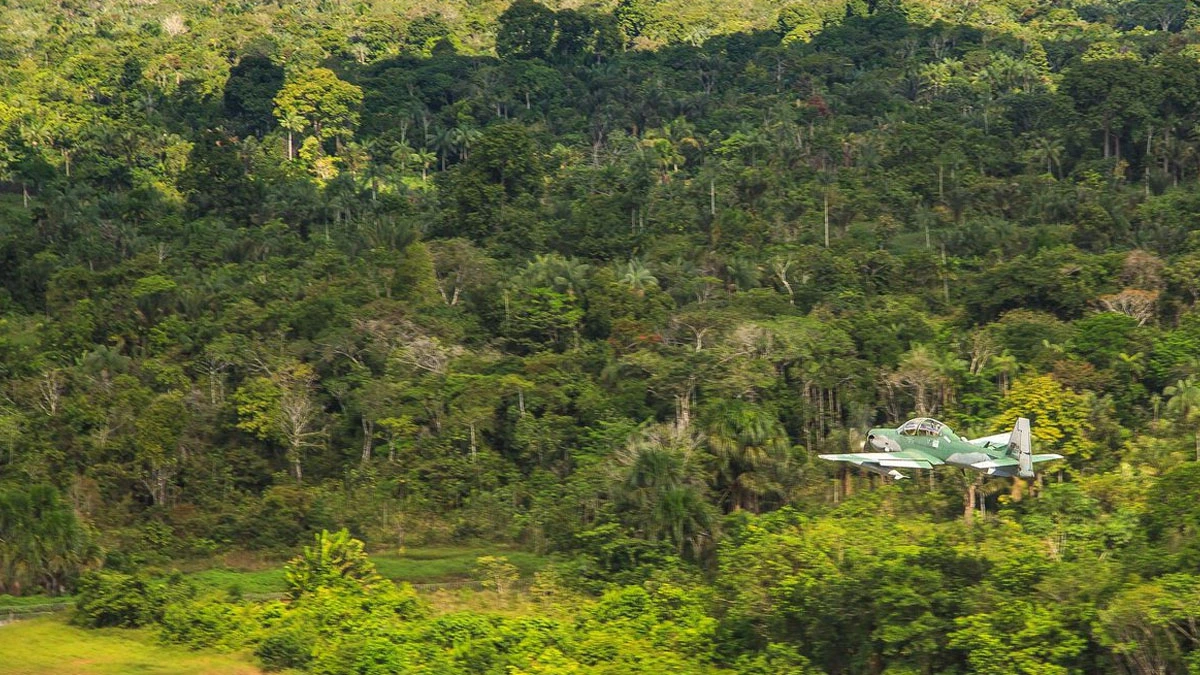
(1020, 444)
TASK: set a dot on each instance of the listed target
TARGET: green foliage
(496, 573)
(602, 281)
(1018, 639)
(209, 623)
(285, 648)
(105, 598)
(335, 560)
(1059, 416)
(320, 101)
(43, 544)
(526, 30)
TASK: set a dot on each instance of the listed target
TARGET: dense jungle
(584, 288)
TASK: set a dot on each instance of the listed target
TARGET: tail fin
(1021, 445)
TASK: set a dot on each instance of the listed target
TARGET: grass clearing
(49, 646)
(246, 581)
(430, 565)
(437, 565)
(20, 601)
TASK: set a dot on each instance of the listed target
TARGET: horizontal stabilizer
(1049, 457)
(998, 463)
(993, 441)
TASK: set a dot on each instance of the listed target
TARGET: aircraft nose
(882, 443)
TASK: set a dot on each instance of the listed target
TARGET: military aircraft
(923, 443)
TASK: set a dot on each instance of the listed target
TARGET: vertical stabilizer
(1020, 444)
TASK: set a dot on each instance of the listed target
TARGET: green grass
(19, 601)
(415, 566)
(48, 646)
(436, 565)
(247, 581)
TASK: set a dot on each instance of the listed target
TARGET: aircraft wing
(886, 463)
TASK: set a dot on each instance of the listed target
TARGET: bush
(335, 560)
(287, 647)
(125, 600)
(209, 623)
(496, 573)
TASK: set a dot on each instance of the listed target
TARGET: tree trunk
(1146, 169)
(297, 472)
(969, 503)
(1018, 489)
(368, 428)
(826, 201)
(683, 410)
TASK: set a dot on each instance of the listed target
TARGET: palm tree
(443, 141)
(1048, 151)
(638, 278)
(749, 444)
(356, 156)
(293, 122)
(402, 155)
(668, 143)
(464, 137)
(42, 541)
(426, 159)
(563, 275)
(1183, 399)
(658, 481)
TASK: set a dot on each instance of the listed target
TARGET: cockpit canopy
(922, 426)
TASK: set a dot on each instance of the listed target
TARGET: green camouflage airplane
(924, 443)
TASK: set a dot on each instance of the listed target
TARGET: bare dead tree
(1132, 302)
(299, 418)
(50, 391)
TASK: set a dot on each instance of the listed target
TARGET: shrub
(289, 646)
(209, 623)
(496, 573)
(335, 560)
(126, 600)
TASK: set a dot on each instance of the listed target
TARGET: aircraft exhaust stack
(1020, 444)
